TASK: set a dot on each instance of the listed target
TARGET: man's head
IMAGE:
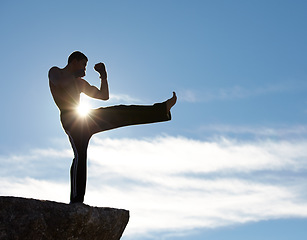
(78, 61)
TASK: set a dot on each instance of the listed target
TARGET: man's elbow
(104, 97)
(101, 96)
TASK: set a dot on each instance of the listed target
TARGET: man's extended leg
(107, 118)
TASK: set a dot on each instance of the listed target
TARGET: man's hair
(76, 55)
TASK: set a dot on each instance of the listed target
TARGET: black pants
(81, 129)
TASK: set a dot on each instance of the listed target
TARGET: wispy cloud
(188, 95)
(281, 131)
(176, 183)
(114, 99)
(124, 98)
(238, 92)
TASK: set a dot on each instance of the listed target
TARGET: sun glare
(84, 105)
(83, 109)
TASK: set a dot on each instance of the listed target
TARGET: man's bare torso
(65, 89)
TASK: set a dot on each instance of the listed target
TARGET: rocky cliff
(22, 219)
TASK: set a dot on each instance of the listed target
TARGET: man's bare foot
(171, 102)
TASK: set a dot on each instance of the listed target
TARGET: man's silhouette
(66, 85)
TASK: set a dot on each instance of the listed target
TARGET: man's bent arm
(94, 92)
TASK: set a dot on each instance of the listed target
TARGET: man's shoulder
(54, 71)
(54, 75)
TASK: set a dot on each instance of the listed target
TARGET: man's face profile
(80, 67)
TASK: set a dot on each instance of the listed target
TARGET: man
(66, 85)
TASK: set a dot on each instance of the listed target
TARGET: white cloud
(34, 188)
(177, 184)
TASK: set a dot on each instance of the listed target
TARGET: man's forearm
(104, 88)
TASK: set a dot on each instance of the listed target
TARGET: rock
(22, 219)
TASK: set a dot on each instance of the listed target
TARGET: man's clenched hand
(100, 67)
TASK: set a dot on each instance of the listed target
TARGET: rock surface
(22, 219)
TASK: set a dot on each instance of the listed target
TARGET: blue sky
(231, 164)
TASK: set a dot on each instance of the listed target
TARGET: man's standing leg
(78, 170)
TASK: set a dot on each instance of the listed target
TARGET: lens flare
(83, 109)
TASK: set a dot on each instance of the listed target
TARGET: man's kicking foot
(171, 102)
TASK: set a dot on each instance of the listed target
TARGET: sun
(83, 109)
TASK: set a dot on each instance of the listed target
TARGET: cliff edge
(22, 219)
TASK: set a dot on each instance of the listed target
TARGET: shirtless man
(66, 86)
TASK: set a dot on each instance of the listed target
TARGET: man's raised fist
(100, 67)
